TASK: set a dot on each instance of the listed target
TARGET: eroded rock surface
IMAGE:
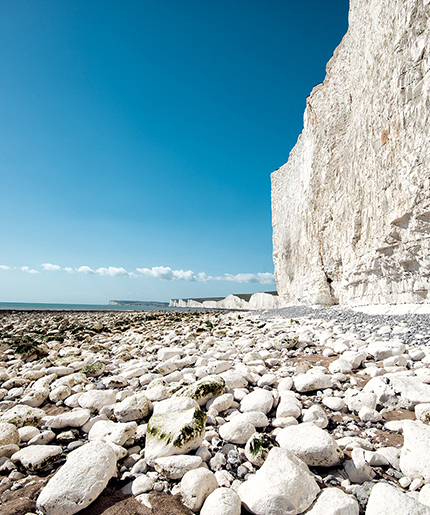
(351, 207)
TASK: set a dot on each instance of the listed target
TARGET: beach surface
(252, 384)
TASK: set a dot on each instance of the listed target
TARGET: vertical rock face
(351, 207)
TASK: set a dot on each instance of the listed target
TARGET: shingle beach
(281, 411)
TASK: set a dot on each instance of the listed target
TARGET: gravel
(418, 325)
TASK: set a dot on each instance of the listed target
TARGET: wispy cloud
(29, 270)
(261, 278)
(115, 272)
(85, 270)
(51, 267)
(165, 273)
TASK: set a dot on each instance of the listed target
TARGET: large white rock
(203, 390)
(94, 400)
(398, 391)
(289, 405)
(333, 501)
(356, 400)
(221, 403)
(222, 501)
(74, 418)
(258, 400)
(316, 415)
(422, 412)
(257, 448)
(234, 379)
(114, 432)
(174, 433)
(283, 485)
(414, 460)
(334, 403)
(312, 380)
(350, 209)
(357, 468)
(22, 415)
(196, 486)
(256, 418)
(135, 407)
(384, 350)
(60, 393)
(80, 480)
(35, 397)
(175, 467)
(236, 431)
(316, 447)
(34, 457)
(173, 404)
(386, 500)
(8, 434)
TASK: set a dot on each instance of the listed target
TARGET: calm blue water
(80, 307)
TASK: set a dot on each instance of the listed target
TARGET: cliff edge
(351, 207)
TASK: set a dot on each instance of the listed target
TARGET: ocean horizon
(36, 306)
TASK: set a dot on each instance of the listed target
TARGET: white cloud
(85, 270)
(29, 270)
(167, 274)
(4, 267)
(51, 267)
(115, 272)
(69, 270)
(261, 278)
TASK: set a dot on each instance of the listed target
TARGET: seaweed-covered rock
(203, 390)
(23, 415)
(257, 448)
(174, 433)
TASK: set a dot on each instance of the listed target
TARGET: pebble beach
(288, 411)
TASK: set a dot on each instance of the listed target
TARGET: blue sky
(137, 140)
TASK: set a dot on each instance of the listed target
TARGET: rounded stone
(196, 486)
(222, 501)
(8, 434)
(236, 431)
(258, 400)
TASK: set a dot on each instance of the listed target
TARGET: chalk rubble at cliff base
(249, 411)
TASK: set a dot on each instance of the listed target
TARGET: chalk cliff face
(351, 207)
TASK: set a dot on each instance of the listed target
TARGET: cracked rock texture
(351, 207)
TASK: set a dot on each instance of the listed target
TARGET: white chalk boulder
(196, 486)
(80, 480)
(386, 500)
(174, 433)
(283, 485)
(313, 445)
(222, 501)
(333, 501)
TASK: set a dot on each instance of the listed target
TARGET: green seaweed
(91, 369)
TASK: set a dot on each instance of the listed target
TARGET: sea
(23, 306)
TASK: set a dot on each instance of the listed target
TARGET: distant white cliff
(351, 207)
(243, 301)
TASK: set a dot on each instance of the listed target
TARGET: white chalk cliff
(351, 207)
